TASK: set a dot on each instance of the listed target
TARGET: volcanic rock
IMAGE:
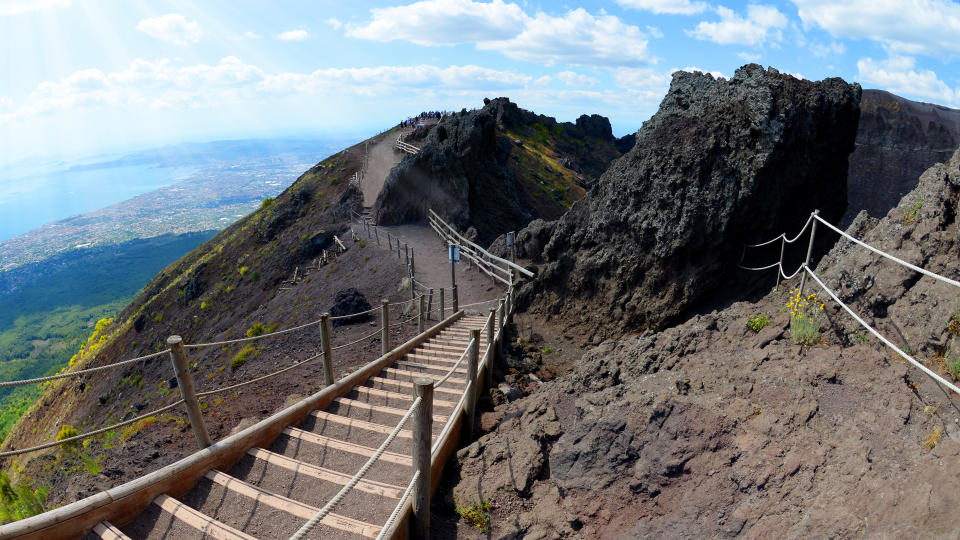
(348, 302)
(897, 140)
(723, 162)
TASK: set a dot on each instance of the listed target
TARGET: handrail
(516, 266)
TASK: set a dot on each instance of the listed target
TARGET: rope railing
(806, 270)
(93, 433)
(396, 510)
(450, 373)
(519, 268)
(258, 379)
(253, 338)
(79, 372)
(783, 236)
(901, 262)
(377, 332)
(886, 341)
(327, 508)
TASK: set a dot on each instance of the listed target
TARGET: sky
(79, 77)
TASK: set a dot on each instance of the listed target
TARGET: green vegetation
(20, 500)
(67, 431)
(477, 515)
(911, 215)
(547, 350)
(266, 202)
(804, 318)
(258, 329)
(48, 315)
(241, 357)
(758, 322)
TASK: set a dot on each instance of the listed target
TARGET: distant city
(232, 179)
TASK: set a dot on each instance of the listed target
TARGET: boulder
(347, 302)
(722, 163)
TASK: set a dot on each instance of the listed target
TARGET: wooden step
(360, 424)
(404, 385)
(415, 374)
(367, 391)
(447, 361)
(364, 406)
(320, 473)
(291, 506)
(337, 444)
(207, 527)
(443, 370)
(107, 531)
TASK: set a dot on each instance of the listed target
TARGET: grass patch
(804, 318)
(758, 322)
(911, 215)
(19, 500)
(932, 439)
(477, 515)
(241, 357)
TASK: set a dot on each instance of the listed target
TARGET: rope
(439, 383)
(484, 302)
(905, 356)
(258, 379)
(891, 257)
(783, 236)
(377, 331)
(253, 338)
(338, 317)
(305, 529)
(760, 268)
(77, 373)
(91, 433)
(793, 275)
(396, 511)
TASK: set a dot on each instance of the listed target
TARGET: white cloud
(162, 85)
(672, 7)
(899, 75)
(762, 24)
(293, 35)
(246, 35)
(694, 69)
(543, 81)
(442, 22)
(571, 78)
(822, 50)
(906, 26)
(641, 78)
(335, 23)
(172, 27)
(749, 57)
(16, 7)
(577, 37)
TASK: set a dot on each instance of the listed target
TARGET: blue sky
(105, 75)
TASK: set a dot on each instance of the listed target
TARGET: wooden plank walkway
(273, 490)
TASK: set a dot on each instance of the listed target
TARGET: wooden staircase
(272, 490)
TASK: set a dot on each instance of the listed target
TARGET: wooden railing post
(413, 264)
(327, 349)
(500, 314)
(413, 288)
(181, 369)
(384, 326)
(398, 248)
(453, 270)
(429, 303)
(442, 306)
(420, 316)
(455, 300)
(470, 403)
(376, 234)
(491, 350)
(422, 443)
(406, 253)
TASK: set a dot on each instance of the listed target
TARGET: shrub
(20, 500)
(266, 202)
(758, 322)
(256, 330)
(477, 515)
(804, 318)
(954, 325)
(67, 431)
(255, 276)
(933, 439)
(911, 215)
(241, 357)
(243, 270)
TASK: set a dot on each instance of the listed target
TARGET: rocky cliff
(710, 429)
(500, 164)
(897, 140)
(721, 163)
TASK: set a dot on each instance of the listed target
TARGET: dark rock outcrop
(897, 140)
(348, 302)
(723, 162)
(474, 169)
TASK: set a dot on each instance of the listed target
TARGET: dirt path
(433, 268)
(382, 159)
